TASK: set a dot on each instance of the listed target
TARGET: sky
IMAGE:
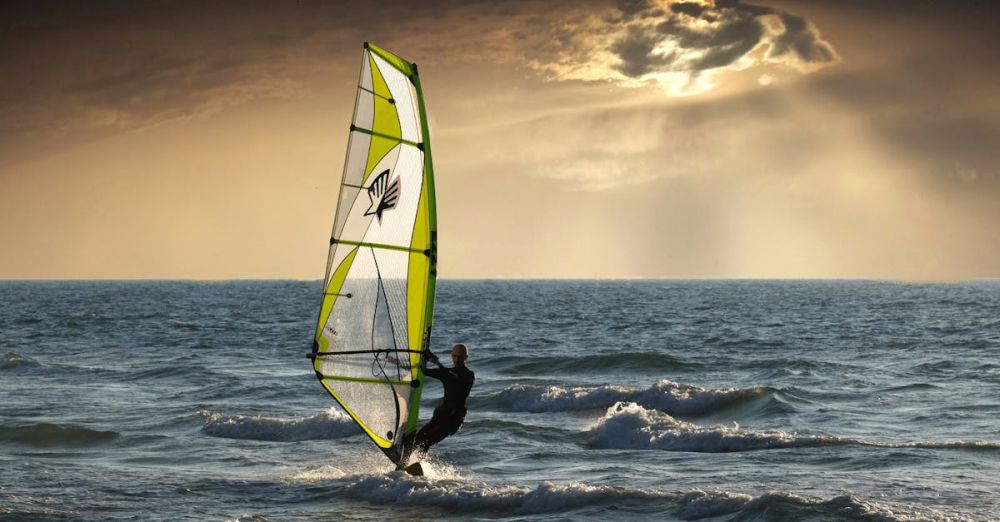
(571, 138)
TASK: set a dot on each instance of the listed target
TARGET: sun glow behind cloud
(683, 46)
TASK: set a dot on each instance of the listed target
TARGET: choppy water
(731, 400)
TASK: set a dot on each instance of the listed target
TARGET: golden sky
(572, 139)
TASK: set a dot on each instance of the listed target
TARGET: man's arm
(437, 373)
(429, 357)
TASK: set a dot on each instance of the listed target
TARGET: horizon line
(691, 279)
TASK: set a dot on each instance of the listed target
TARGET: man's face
(456, 355)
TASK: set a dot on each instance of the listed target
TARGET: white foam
(249, 518)
(950, 444)
(331, 424)
(403, 490)
(628, 425)
(671, 397)
(368, 464)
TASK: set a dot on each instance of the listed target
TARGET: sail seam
(397, 139)
(373, 93)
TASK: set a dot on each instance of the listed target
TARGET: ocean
(594, 400)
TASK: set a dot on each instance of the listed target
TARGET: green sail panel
(378, 293)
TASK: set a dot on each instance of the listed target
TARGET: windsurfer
(450, 414)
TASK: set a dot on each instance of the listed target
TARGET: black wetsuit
(450, 414)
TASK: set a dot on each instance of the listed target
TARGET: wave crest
(668, 396)
(330, 424)
(644, 362)
(627, 425)
(474, 497)
(15, 361)
(699, 504)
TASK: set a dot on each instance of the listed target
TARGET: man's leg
(435, 431)
(430, 434)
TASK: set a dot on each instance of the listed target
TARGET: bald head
(459, 353)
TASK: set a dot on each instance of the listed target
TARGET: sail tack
(378, 297)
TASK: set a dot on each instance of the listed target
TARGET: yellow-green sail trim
(426, 217)
(400, 64)
(369, 380)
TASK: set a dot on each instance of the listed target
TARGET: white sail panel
(396, 227)
(399, 85)
(364, 110)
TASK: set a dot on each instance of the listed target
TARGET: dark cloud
(75, 67)
(636, 52)
(689, 8)
(734, 38)
(118, 65)
(124, 65)
(800, 38)
(631, 8)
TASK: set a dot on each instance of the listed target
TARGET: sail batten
(378, 291)
(398, 139)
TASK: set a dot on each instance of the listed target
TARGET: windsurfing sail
(378, 292)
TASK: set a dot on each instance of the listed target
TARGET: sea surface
(594, 400)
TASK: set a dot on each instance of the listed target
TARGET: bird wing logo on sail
(383, 194)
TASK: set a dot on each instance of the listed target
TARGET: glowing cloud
(683, 45)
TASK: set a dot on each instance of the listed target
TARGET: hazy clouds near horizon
(572, 139)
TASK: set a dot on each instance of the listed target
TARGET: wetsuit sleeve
(434, 372)
(440, 374)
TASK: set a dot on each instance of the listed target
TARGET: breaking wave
(628, 425)
(327, 425)
(670, 397)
